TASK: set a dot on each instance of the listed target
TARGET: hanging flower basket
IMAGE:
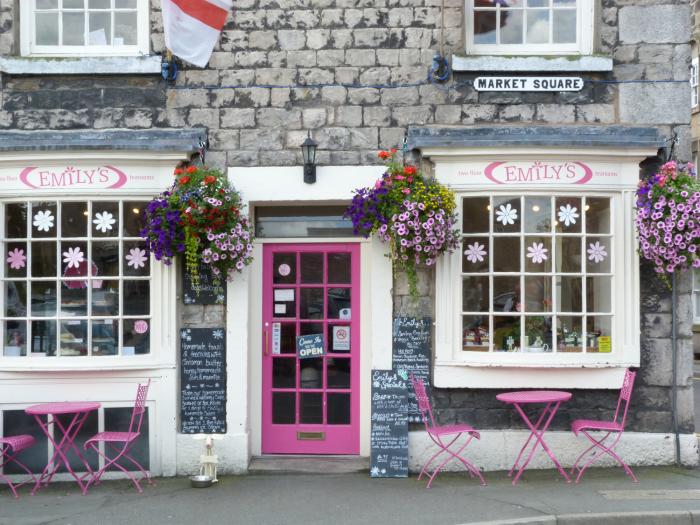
(414, 214)
(668, 219)
(201, 217)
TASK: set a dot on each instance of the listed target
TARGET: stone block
(340, 39)
(412, 115)
(555, 113)
(408, 75)
(681, 62)
(353, 18)
(291, 40)
(516, 113)
(334, 94)
(277, 59)
(108, 118)
(277, 158)
(409, 57)
(363, 95)
(400, 17)
(418, 37)
(347, 75)
(262, 39)
(391, 137)
(305, 58)
(240, 157)
(252, 97)
(286, 118)
(277, 77)
(317, 38)
(360, 57)
(402, 96)
(448, 114)
(654, 53)
(251, 19)
(185, 98)
(166, 118)
(348, 116)
(313, 118)
(628, 72)
(315, 76)
(303, 18)
(208, 118)
(376, 116)
(624, 54)
(63, 119)
(658, 71)
(344, 158)
(224, 139)
(233, 40)
(595, 113)
(655, 24)
(476, 113)
(201, 77)
(388, 57)
(432, 94)
(373, 38)
(192, 314)
(375, 76)
(223, 98)
(654, 103)
(253, 59)
(237, 77)
(237, 118)
(332, 18)
(263, 139)
(330, 57)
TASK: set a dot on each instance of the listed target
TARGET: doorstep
(308, 464)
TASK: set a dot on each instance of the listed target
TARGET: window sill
(136, 65)
(551, 64)
(31, 365)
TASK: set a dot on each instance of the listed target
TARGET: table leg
(538, 433)
(527, 442)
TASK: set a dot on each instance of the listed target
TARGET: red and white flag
(192, 27)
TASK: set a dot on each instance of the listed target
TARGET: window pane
(136, 260)
(16, 220)
(131, 4)
(47, 4)
(105, 217)
(15, 299)
(484, 27)
(283, 408)
(475, 254)
(73, 338)
(512, 26)
(43, 338)
(538, 334)
(506, 334)
(475, 294)
(105, 255)
(568, 214)
(311, 306)
(43, 298)
(506, 294)
(538, 294)
(74, 219)
(46, 29)
(569, 334)
(73, 298)
(598, 334)
(538, 254)
(339, 303)
(538, 3)
(105, 337)
(99, 4)
(598, 254)
(74, 259)
(105, 298)
(570, 294)
(44, 219)
(73, 29)
(311, 408)
(15, 343)
(506, 214)
(136, 337)
(136, 297)
(564, 21)
(537, 27)
(599, 294)
(311, 265)
(538, 215)
(338, 373)
(125, 29)
(133, 218)
(284, 372)
(597, 215)
(73, 4)
(338, 409)
(339, 268)
(569, 254)
(100, 29)
(16, 259)
(475, 333)
(506, 254)
(311, 373)
(284, 265)
(475, 215)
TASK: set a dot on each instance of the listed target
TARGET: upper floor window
(694, 83)
(525, 27)
(84, 27)
(696, 296)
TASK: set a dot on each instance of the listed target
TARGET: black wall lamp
(308, 151)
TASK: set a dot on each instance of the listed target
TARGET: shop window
(694, 83)
(84, 27)
(525, 27)
(77, 279)
(537, 274)
(696, 296)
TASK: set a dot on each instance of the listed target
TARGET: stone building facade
(354, 74)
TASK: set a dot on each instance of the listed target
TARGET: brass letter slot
(311, 436)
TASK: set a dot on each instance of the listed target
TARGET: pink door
(311, 405)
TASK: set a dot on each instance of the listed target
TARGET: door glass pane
(43, 338)
(339, 303)
(73, 338)
(15, 299)
(569, 334)
(44, 259)
(73, 29)
(338, 373)
(43, 298)
(311, 408)
(475, 254)
(475, 294)
(16, 220)
(15, 343)
(283, 408)
(338, 338)
(506, 254)
(285, 304)
(74, 219)
(475, 215)
(339, 268)
(284, 268)
(284, 372)
(137, 337)
(309, 329)
(311, 373)
(338, 408)
(311, 266)
(311, 304)
(287, 338)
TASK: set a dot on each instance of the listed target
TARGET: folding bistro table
(551, 399)
(62, 446)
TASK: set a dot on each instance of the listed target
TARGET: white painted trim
(107, 65)
(540, 64)
(497, 450)
(285, 186)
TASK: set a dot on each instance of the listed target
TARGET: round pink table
(551, 399)
(80, 412)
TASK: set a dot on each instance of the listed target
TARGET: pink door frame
(305, 438)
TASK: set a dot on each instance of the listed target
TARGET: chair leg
(605, 450)
(582, 455)
(455, 455)
(6, 460)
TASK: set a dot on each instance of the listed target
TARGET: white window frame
(584, 36)
(695, 279)
(28, 46)
(694, 65)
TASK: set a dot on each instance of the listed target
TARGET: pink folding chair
(613, 429)
(450, 433)
(118, 444)
(10, 447)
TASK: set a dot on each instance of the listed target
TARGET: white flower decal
(596, 252)
(568, 214)
(43, 220)
(16, 259)
(475, 252)
(136, 258)
(537, 252)
(218, 334)
(74, 256)
(103, 221)
(507, 214)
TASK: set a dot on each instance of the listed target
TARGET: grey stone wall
(354, 73)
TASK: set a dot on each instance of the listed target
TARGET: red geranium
(209, 179)
(410, 170)
(191, 169)
(184, 180)
(177, 171)
(384, 155)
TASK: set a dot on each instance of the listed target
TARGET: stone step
(308, 464)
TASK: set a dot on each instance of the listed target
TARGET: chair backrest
(625, 395)
(139, 407)
(426, 411)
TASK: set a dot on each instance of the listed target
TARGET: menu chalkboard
(203, 380)
(206, 292)
(389, 432)
(411, 354)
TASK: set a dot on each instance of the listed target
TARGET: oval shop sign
(538, 171)
(98, 177)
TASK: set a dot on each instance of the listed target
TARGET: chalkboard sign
(309, 346)
(389, 432)
(411, 354)
(206, 292)
(203, 380)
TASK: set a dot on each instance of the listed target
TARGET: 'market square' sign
(528, 83)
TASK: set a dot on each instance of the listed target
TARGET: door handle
(266, 335)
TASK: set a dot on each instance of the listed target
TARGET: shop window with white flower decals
(537, 274)
(77, 279)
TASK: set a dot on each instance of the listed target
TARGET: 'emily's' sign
(528, 83)
(538, 171)
(97, 177)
